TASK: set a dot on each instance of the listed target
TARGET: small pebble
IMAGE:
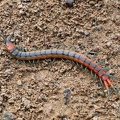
(21, 12)
(7, 116)
(19, 82)
(86, 33)
(109, 44)
(20, 6)
(26, 102)
(8, 71)
(69, 3)
(11, 101)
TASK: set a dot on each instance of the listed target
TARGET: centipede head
(2, 34)
(8, 42)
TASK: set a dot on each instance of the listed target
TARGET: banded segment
(14, 52)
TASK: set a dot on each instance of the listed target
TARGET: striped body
(56, 53)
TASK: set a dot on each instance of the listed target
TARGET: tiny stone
(111, 71)
(20, 6)
(16, 40)
(7, 116)
(8, 71)
(26, 102)
(86, 33)
(98, 28)
(0, 102)
(11, 101)
(21, 12)
(12, 40)
(19, 82)
(109, 44)
(46, 84)
(69, 3)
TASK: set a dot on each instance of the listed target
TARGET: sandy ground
(38, 91)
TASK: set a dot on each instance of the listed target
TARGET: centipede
(61, 54)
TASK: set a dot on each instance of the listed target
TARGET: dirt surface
(59, 90)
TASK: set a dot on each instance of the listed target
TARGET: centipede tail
(62, 54)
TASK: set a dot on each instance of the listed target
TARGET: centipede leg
(108, 92)
(29, 61)
(91, 72)
(95, 76)
(17, 61)
(115, 90)
(69, 47)
(85, 69)
(81, 66)
(33, 61)
(57, 46)
(111, 76)
(37, 61)
(105, 68)
(101, 83)
(106, 86)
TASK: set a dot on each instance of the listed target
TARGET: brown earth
(37, 91)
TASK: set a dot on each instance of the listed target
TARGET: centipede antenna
(12, 33)
(3, 36)
(115, 90)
